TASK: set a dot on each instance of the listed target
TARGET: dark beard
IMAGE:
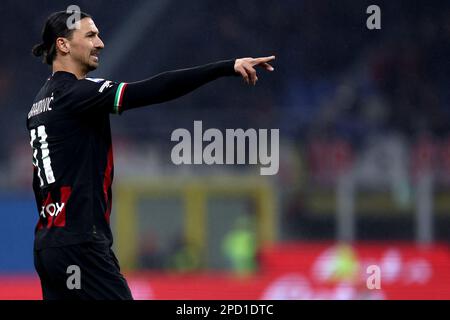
(88, 67)
(91, 67)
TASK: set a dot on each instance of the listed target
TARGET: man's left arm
(173, 84)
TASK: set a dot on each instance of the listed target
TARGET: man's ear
(63, 45)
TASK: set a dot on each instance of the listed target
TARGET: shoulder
(98, 84)
(87, 86)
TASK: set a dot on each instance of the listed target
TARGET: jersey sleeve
(90, 95)
(171, 85)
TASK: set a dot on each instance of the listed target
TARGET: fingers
(263, 62)
(245, 67)
(243, 73)
(267, 59)
(251, 73)
(267, 66)
(264, 59)
(248, 73)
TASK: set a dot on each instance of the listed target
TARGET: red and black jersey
(73, 159)
(70, 138)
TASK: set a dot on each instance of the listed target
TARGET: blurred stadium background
(364, 149)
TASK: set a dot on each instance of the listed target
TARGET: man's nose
(99, 44)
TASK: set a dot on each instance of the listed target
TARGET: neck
(67, 66)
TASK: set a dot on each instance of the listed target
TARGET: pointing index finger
(265, 59)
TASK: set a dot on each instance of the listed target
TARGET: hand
(245, 67)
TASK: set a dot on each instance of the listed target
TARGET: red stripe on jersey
(107, 181)
(47, 202)
(60, 219)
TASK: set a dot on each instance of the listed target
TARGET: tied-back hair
(55, 27)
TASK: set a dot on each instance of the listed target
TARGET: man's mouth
(95, 56)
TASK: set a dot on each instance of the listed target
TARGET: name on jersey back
(40, 107)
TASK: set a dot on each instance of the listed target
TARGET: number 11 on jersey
(42, 159)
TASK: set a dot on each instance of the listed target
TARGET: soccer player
(70, 137)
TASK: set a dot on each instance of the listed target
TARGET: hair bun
(38, 50)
